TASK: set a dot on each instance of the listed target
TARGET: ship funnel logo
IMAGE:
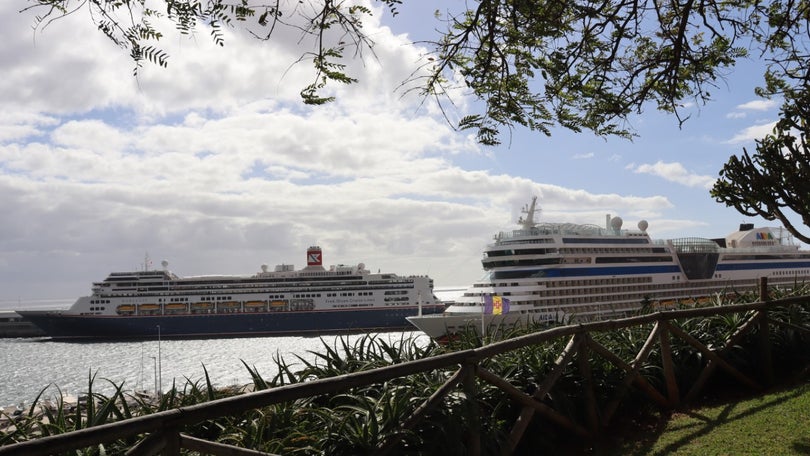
(314, 257)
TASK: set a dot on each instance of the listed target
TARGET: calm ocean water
(31, 365)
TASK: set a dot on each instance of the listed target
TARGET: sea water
(32, 365)
(29, 366)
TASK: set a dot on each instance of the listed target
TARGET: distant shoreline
(36, 304)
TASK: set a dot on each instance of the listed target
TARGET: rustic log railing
(163, 434)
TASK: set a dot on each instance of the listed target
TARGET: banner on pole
(495, 305)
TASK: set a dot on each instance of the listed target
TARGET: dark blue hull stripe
(611, 271)
(768, 265)
(667, 269)
(219, 325)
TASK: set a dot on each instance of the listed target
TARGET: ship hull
(62, 326)
(441, 326)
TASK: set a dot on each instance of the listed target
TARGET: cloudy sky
(214, 165)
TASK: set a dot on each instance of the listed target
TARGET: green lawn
(772, 424)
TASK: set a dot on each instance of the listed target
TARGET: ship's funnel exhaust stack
(314, 256)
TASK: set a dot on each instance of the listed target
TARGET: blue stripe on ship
(669, 269)
(618, 270)
(768, 265)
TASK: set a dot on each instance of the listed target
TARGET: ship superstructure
(573, 272)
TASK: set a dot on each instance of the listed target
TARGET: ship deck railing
(564, 229)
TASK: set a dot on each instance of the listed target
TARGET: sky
(214, 165)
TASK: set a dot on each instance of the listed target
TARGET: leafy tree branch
(774, 181)
(540, 64)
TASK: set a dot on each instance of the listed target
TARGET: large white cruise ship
(285, 301)
(569, 272)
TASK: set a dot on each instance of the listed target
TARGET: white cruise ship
(308, 301)
(566, 272)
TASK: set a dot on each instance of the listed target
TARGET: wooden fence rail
(162, 434)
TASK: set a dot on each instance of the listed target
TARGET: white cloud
(215, 165)
(758, 105)
(675, 172)
(749, 134)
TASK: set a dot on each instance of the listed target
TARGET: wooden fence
(162, 434)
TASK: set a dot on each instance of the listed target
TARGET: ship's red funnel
(314, 257)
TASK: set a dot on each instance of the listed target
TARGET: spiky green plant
(358, 420)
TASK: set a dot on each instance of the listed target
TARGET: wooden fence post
(766, 363)
(539, 394)
(763, 289)
(172, 439)
(765, 335)
(669, 368)
(473, 412)
(584, 366)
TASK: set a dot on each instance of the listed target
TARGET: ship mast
(528, 222)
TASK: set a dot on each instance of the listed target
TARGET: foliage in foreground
(359, 420)
(534, 64)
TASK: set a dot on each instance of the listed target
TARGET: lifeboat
(228, 307)
(255, 306)
(278, 305)
(175, 308)
(125, 309)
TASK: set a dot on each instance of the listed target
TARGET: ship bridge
(697, 256)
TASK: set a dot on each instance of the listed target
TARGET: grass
(776, 423)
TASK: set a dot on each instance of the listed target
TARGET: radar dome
(616, 223)
(642, 225)
(361, 266)
(164, 263)
(264, 268)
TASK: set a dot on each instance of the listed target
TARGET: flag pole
(483, 324)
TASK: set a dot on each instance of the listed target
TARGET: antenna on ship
(147, 262)
(529, 210)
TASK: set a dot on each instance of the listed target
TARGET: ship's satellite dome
(361, 266)
(164, 263)
(616, 223)
(642, 225)
(264, 268)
